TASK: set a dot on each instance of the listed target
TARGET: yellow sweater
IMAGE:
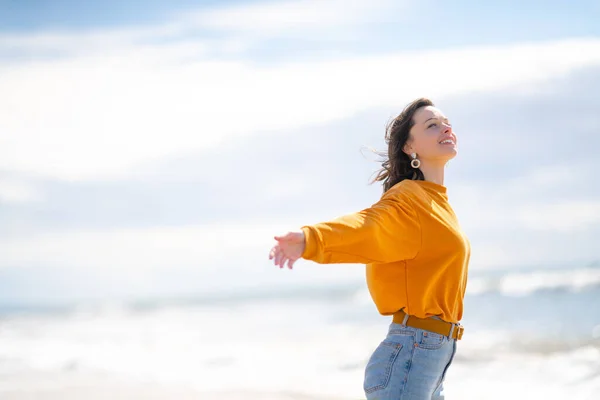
(416, 253)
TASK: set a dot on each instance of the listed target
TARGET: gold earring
(415, 163)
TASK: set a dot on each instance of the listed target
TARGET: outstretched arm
(387, 231)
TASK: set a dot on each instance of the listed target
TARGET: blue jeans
(409, 364)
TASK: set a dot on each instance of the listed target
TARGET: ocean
(531, 334)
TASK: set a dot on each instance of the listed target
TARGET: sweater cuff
(312, 243)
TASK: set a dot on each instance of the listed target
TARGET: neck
(433, 172)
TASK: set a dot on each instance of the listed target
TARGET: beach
(557, 377)
(309, 344)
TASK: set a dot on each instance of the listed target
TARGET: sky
(153, 149)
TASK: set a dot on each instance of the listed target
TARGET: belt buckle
(458, 328)
(459, 333)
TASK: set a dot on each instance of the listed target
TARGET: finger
(278, 256)
(287, 236)
(291, 263)
(282, 261)
(272, 253)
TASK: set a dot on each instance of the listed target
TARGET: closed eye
(432, 125)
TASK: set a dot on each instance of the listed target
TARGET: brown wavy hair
(396, 164)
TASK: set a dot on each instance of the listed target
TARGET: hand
(289, 248)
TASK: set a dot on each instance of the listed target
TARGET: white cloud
(518, 248)
(547, 215)
(165, 260)
(535, 214)
(119, 98)
(297, 17)
(530, 201)
(235, 26)
(97, 117)
(18, 191)
(121, 101)
(566, 216)
(143, 248)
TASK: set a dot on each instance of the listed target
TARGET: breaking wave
(526, 283)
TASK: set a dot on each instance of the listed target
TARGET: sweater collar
(433, 186)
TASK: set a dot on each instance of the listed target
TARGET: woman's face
(431, 136)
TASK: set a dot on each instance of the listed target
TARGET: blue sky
(153, 149)
(71, 14)
(402, 25)
(526, 19)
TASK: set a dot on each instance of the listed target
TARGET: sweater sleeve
(387, 231)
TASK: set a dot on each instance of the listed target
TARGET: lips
(448, 139)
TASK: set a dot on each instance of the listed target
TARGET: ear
(408, 147)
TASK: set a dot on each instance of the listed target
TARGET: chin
(451, 156)
(450, 153)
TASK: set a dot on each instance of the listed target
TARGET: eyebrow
(446, 119)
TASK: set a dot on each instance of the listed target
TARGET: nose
(446, 127)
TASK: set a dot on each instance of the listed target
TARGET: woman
(415, 253)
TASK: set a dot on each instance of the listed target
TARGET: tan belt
(431, 325)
